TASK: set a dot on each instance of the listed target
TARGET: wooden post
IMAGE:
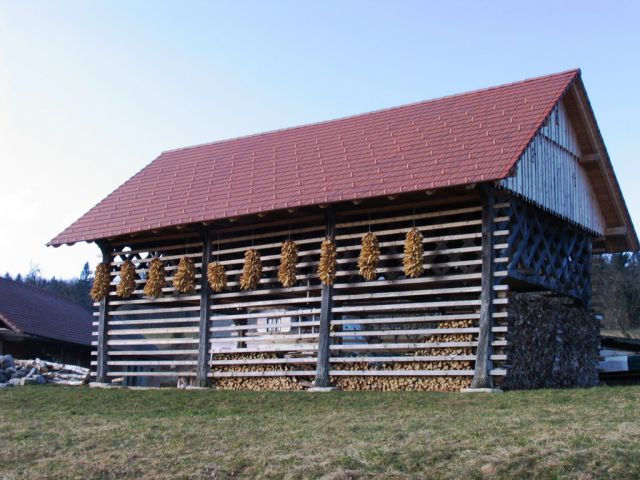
(482, 377)
(103, 318)
(203, 335)
(326, 304)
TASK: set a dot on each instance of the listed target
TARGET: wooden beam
(326, 304)
(615, 232)
(204, 333)
(590, 157)
(101, 368)
(482, 377)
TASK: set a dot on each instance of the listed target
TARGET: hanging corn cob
(127, 279)
(328, 262)
(156, 279)
(217, 277)
(251, 270)
(184, 280)
(369, 256)
(101, 280)
(413, 254)
(288, 262)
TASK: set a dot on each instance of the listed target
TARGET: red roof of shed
(462, 139)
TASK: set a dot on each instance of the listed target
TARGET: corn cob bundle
(328, 262)
(127, 279)
(413, 254)
(184, 281)
(217, 277)
(288, 262)
(251, 270)
(156, 279)
(101, 280)
(369, 256)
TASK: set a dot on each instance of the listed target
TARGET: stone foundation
(552, 343)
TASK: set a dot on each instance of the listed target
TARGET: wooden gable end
(550, 174)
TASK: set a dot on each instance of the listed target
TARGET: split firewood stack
(421, 383)
(259, 383)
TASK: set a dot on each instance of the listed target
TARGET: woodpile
(259, 383)
(101, 280)
(156, 279)
(184, 281)
(369, 256)
(424, 383)
(412, 262)
(251, 270)
(127, 283)
(288, 263)
(38, 372)
(328, 262)
(217, 277)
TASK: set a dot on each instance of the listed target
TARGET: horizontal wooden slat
(400, 373)
(274, 373)
(153, 331)
(263, 361)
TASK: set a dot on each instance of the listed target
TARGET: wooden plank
(409, 218)
(264, 361)
(159, 353)
(326, 305)
(401, 373)
(280, 326)
(103, 315)
(402, 346)
(481, 377)
(154, 341)
(205, 300)
(273, 337)
(267, 349)
(282, 313)
(418, 331)
(152, 363)
(153, 374)
(153, 331)
(265, 303)
(410, 319)
(274, 373)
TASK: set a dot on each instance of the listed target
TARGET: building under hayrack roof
(35, 323)
(438, 245)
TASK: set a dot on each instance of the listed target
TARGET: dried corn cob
(127, 279)
(369, 256)
(184, 281)
(156, 279)
(217, 277)
(328, 262)
(101, 280)
(413, 254)
(288, 262)
(251, 270)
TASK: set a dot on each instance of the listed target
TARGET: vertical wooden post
(103, 318)
(326, 304)
(482, 377)
(203, 335)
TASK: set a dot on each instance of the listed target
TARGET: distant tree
(86, 273)
(34, 274)
(7, 276)
(18, 278)
(616, 290)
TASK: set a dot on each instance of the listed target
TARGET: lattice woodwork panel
(549, 253)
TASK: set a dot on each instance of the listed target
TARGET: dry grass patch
(83, 433)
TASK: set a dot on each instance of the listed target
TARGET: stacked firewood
(258, 383)
(437, 383)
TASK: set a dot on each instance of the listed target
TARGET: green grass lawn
(57, 432)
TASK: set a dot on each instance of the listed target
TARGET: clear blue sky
(90, 91)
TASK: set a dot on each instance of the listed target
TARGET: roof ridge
(373, 112)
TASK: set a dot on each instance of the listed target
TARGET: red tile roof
(34, 311)
(468, 138)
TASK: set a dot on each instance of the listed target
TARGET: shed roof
(462, 139)
(34, 311)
